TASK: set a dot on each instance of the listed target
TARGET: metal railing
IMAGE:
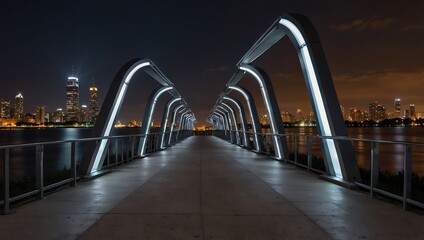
(302, 148)
(121, 149)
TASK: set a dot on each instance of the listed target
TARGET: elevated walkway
(206, 188)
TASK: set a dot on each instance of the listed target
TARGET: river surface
(57, 157)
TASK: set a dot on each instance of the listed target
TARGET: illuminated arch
(150, 107)
(164, 121)
(339, 156)
(96, 152)
(231, 109)
(257, 129)
(242, 118)
(173, 117)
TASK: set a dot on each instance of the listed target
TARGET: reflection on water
(57, 157)
(390, 155)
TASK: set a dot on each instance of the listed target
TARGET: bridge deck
(205, 188)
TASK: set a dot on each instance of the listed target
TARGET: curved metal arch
(339, 156)
(173, 117)
(257, 130)
(272, 108)
(220, 121)
(225, 119)
(96, 152)
(214, 120)
(230, 124)
(242, 118)
(150, 107)
(164, 121)
(231, 109)
(180, 123)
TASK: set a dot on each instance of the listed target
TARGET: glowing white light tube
(241, 118)
(166, 120)
(173, 122)
(317, 97)
(268, 108)
(112, 116)
(146, 132)
(251, 114)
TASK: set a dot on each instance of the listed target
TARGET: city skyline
(373, 50)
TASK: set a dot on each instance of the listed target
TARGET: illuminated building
(406, 114)
(40, 113)
(342, 109)
(72, 98)
(299, 116)
(412, 111)
(19, 107)
(377, 112)
(5, 108)
(356, 115)
(397, 108)
(264, 120)
(287, 117)
(58, 116)
(84, 114)
(94, 109)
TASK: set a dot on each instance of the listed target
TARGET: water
(57, 157)
(390, 155)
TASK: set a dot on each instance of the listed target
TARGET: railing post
(122, 150)
(295, 150)
(39, 156)
(108, 155)
(6, 162)
(407, 174)
(374, 167)
(116, 152)
(309, 163)
(132, 147)
(73, 165)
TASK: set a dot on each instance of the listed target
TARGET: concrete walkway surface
(206, 188)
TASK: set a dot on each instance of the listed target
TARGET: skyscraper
(72, 98)
(94, 109)
(412, 111)
(377, 111)
(58, 116)
(19, 107)
(397, 108)
(40, 113)
(5, 108)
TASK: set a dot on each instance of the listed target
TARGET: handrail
(404, 197)
(122, 154)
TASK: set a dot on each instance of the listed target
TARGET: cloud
(379, 24)
(367, 86)
(361, 24)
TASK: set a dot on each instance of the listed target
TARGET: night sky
(374, 48)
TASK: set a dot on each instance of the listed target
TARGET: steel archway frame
(96, 152)
(150, 107)
(164, 121)
(339, 155)
(231, 109)
(251, 105)
(233, 139)
(242, 118)
(173, 117)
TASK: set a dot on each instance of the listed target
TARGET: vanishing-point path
(206, 188)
